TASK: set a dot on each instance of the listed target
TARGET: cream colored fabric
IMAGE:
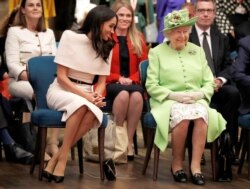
(22, 44)
(60, 99)
(121, 144)
(115, 145)
(76, 52)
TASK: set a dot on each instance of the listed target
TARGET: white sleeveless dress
(75, 52)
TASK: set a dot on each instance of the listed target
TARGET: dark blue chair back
(148, 119)
(45, 68)
(244, 121)
(143, 66)
(243, 148)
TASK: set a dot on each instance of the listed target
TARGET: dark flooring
(129, 176)
(16, 176)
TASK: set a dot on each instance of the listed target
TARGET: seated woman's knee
(90, 117)
(123, 96)
(200, 122)
(137, 97)
(82, 110)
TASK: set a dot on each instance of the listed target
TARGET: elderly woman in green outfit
(180, 84)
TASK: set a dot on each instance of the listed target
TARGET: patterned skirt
(180, 111)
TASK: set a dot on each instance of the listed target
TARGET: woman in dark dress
(123, 83)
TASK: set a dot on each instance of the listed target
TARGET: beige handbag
(121, 144)
(115, 143)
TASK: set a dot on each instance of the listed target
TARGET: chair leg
(248, 152)
(73, 155)
(37, 151)
(144, 132)
(1, 150)
(156, 162)
(150, 139)
(101, 136)
(80, 155)
(243, 153)
(135, 143)
(43, 135)
(240, 144)
(213, 150)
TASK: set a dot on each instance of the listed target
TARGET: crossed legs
(52, 142)
(77, 125)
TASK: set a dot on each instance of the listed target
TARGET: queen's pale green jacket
(171, 71)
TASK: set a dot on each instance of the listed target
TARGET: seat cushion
(244, 121)
(149, 120)
(47, 117)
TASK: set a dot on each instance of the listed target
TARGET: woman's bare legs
(133, 117)
(120, 107)
(178, 140)
(128, 106)
(199, 136)
(52, 143)
(59, 160)
(86, 124)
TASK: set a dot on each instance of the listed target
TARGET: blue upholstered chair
(150, 124)
(244, 144)
(42, 72)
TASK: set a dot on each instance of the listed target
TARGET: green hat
(177, 19)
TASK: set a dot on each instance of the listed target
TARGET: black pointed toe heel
(57, 179)
(47, 175)
(179, 176)
(130, 157)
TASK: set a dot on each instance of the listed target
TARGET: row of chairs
(41, 77)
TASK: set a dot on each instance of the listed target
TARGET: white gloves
(196, 95)
(186, 97)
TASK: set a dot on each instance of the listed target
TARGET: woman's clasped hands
(97, 99)
(186, 97)
(125, 81)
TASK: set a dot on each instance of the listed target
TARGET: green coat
(171, 71)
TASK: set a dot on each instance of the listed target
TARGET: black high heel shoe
(47, 175)
(57, 179)
(130, 157)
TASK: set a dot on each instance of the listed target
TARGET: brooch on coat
(192, 52)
